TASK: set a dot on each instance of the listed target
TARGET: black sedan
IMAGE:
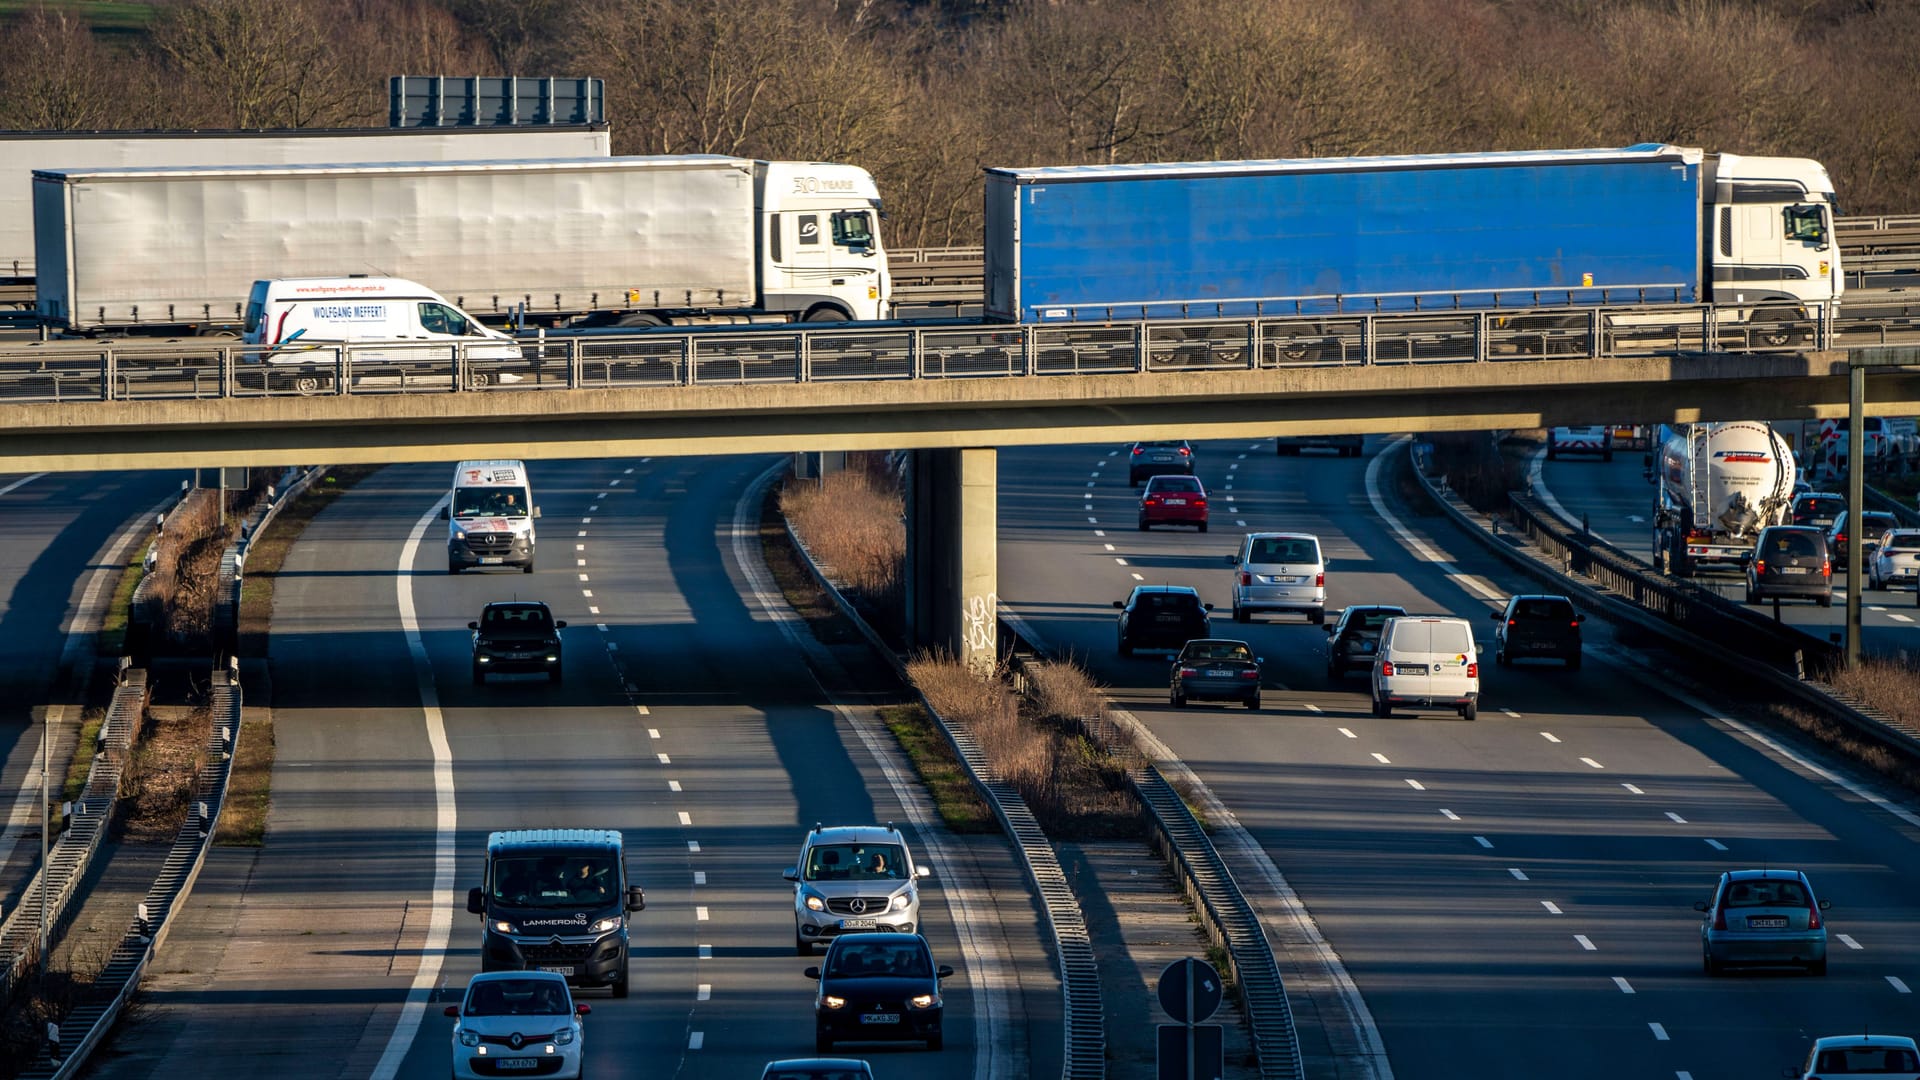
(878, 987)
(1161, 617)
(1215, 669)
(1352, 641)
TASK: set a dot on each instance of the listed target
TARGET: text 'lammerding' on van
(557, 900)
(389, 329)
(490, 516)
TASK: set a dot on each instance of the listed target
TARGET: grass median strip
(954, 795)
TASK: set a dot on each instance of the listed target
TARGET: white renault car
(518, 1023)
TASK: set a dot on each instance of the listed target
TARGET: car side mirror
(1495, 615)
(536, 511)
(923, 871)
(451, 1010)
(1259, 659)
(476, 901)
(1825, 904)
(1206, 607)
(1699, 905)
(583, 1009)
(1580, 618)
(473, 626)
(812, 973)
(446, 513)
(943, 971)
(559, 624)
(1330, 628)
(636, 898)
(1233, 560)
(791, 873)
(1120, 604)
(1478, 648)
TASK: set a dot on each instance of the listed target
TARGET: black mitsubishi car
(876, 987)
(516, 636)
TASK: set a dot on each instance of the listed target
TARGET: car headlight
(458, 535)
(831, 1002)
(483, 659)
(900, 901)
(469, 1038)
(814, 903)
(924, 1001)
(563, 1037)
(611, 922)
(553, 658)
(503, 927)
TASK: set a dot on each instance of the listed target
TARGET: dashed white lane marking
(1241, 457)
(652, 732)
(1847, 940)
(1416, 785)
(1137, 577)
(1715, 844)
(1518, 874)
(629, 472)
(594, 506)
(705, 993)
(1229, 487)
(1348, 733)
(1659, 1033)
(580, 562)
(1550, 736)
(673, 785)
(700, 913)
(613, 646)
(583, 577)
(696, 1039)
(1897, 617)
(591, 610)
(1633, 790)
(600, 626)
(1242, 524)
(1898, 985)
(586, 521)
(642, 710)
(1230, 468)
(1382, 759)
(1483, 841)
(579, 547)
(706, 952)
(699, 877)
(686, 818)
(1448, 814)
(1875, 607)
(1312, 708)
(664, 759)
(1419, 547)
(602, 495)
(1584, 943)
(1093, 521)
(582, 532)
(1683, 1075)
(1592, 763)
(586, 593)
(693, 847)
(1089, 483)
(1102, 532)
(1552, 908)
(1109, 547)
(1625, 986)
(1122, 562)
(1676, 818)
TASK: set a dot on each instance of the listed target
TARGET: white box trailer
(24, 152)
(638, 240)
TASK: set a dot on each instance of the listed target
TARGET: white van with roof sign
(397, 328)
(490, 516)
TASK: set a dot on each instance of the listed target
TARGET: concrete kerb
(1084, 1025)
(1816, 696)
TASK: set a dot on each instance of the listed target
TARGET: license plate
(1216, 674)
(1767, 922)
(491, 560)
(1541, 645)
(859, 924)
(879, 1018)
(506, 1064)
(1166, 618)
(1176, 502)
(562, 970)
(1793, 569)
(1277, 580)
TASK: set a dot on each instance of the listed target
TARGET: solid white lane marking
(440, 917)
(699, 877)
(1416, 785)
(696, 1039)
(1676, 818)
(1518, 874)
(1847, 940)
(1584, 943)
(1448, 814)
(22, 482)
(706, 952)
(1592, 763)
(1633, 789)
(1417, 545)
(1549, 736)
(1898, 985)
(1625, 986)
(693, 847)
(1552, 908)
(700, 913)
(664, 759)
(1348, 734)
(686, 818)
(1715, 844)
(1483, 841)
(1382, 759)
(673, 785)
(1539, 487)
(1659, 1033)
(705, 993)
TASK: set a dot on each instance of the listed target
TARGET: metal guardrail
(148, 370)
(1083, 1015)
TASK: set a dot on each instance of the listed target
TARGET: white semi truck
(629, 241)
(23, 152)
(1717, 486)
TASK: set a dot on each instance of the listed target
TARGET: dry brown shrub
(163, 774)
(852, 521)
(1889, 687)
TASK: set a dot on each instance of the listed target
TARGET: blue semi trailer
(1608, 228)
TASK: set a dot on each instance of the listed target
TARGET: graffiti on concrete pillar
(979, 617)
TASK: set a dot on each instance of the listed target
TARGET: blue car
(1763, 918)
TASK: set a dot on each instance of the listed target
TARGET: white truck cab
(820, 253)
(490, 516)
(301, 324)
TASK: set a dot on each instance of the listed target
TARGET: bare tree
(258, 65)
(54, 74)
(520, 34)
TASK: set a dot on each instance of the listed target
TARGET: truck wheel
(827, 314)
(308, 385)
(639, 320)
(480, 380)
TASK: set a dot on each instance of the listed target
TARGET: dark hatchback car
(1161, 617)
(1352, 641)
(1544, 627)
(516, 636)
(878, 987)
(1817, 508)
(817, 1069)
(1791, 562)
(1215, 669)
(1163, 458)
(1872, 524)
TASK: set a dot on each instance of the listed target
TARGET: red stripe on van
(279, 325)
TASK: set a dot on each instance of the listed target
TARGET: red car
(1173, 500)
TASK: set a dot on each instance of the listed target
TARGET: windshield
(904, 959)
(1216, 650)
(507, 618)
(1373, 620)
(508, 502)
(555, 881)
(856, 862)
(518, 997)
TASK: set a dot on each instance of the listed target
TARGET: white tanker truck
(1717, 486)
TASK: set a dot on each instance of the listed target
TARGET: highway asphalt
(1511, 896)
(687, 720)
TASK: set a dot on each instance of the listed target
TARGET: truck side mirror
(446, 513)
(536, 511)
(476, 901)
(636, 898)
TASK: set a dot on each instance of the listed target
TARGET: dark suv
(516, 636)
(1791, 561)
(1538, 626)
(1164, 458)
(1817, 508)
(1353, 641)
(1162, 617)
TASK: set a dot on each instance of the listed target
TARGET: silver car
(851, 879)
(1763, 917)
(1279, 572)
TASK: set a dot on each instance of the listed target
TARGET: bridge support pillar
(952, 562)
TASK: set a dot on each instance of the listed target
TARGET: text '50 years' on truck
(1718, 486)
(632, 241)
(1572, 231)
